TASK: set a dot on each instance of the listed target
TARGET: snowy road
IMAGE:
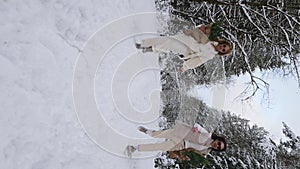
(40, 44)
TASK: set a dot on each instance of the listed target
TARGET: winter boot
(147, 49)
(143, 129)
(129, 150)
(138, 46)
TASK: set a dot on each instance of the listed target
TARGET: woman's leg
(168, 134)
(166, 44)
(164, 146)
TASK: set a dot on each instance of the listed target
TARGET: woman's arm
(200, 33)
(197, 59)
(199, 128)
(192, 63)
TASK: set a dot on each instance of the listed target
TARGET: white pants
(177, 44)
(173, 143)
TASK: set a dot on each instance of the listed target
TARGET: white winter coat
(195, 54)
(200, 140)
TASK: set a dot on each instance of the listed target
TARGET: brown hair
(222, 41)
(221, 139)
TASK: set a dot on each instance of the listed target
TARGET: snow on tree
(248, 146)
(265, 34)
(266, 37)
(288, 153)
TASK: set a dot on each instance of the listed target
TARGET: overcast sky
(283, 103)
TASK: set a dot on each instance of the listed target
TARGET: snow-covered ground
(40, 44)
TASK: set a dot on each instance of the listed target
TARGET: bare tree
(265, 34)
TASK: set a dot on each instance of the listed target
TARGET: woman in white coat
(193, 53)
(181, 138)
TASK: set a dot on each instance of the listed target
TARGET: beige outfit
(177, 44)
(173, 143)
(195, 54)
(205, 52)
(198, 35)
(178, 138)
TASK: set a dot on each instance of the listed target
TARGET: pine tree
(248, 146)
(265, 34)
(288, 154)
